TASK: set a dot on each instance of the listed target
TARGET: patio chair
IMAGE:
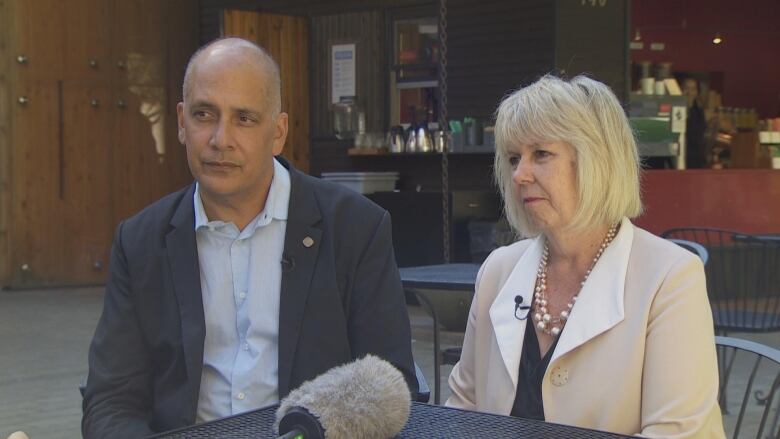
(693, 247)
(423, 391)
(743, 278)
(750, 365)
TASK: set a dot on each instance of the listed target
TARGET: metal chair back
(743, 278)
(753, 371)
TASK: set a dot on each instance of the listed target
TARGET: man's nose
(222, 136)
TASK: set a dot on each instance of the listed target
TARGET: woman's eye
(514, 160)
(540, 153)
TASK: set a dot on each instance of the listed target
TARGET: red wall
(745, 200)
(749, 56)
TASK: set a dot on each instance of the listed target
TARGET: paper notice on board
(679, 116)
(342, 61)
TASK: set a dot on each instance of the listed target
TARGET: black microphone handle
(293, 434)
(302, 424)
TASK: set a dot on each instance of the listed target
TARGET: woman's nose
(522, 173)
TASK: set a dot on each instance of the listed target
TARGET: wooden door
(92, 77)
(37, 38)
(286, 38)
(36, 227)
(84, 191)
(59, 134)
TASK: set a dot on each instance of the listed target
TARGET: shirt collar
(276, 204)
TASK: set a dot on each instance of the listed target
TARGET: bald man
(225, 296)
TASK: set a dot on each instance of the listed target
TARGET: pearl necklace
(544, 321)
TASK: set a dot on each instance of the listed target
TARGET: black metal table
(446, 292)
(426, 421)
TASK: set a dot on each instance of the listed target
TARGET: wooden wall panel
(366, 29)
(138, 41)
(84, 40)
(592, 38)
(153, 47)
(286, 38)
(5, 155)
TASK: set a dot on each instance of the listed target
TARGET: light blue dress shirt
(240, 278)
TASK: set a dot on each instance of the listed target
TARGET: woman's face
(545, 182)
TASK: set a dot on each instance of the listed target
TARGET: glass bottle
(345, 117)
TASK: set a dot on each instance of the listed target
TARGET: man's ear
(180, 119)
(280, 135)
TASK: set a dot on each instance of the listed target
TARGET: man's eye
(200, 115)
(246, 119)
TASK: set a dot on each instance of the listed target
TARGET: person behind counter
(695, 125)
(619, 333)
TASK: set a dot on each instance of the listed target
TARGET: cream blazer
(637, 355)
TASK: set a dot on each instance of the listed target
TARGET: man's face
(691, 88)
(228, 129)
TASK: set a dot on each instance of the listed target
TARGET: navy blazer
(340, 299)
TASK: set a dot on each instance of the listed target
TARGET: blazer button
(559, 376)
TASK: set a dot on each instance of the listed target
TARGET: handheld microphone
(518, 306)
(367, 398)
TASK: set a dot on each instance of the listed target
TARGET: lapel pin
(308, 242)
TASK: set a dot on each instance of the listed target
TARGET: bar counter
(746, 200)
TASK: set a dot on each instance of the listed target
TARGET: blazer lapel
(301, 247)
(182, 252)
(508, 329)
(600, 302)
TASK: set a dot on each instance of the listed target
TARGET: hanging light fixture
(717, 39)
(637, 35)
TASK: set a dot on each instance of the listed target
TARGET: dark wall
(366, 29)
(592, 38)
(495, 46)
(210, 9)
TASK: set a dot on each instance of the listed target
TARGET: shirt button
(241, 396)
(242, 295)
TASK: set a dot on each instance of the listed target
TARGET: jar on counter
(346, 117)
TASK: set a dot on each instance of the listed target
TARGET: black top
(528, 399)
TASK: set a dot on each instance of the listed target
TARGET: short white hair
(586, 115)
(254, 53)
